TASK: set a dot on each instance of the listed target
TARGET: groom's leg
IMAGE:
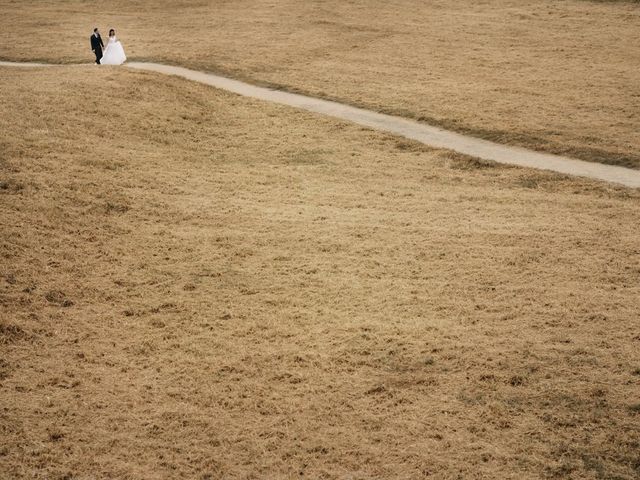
(98, 55)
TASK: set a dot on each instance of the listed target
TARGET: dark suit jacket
(96, 42)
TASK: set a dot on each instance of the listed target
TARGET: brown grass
(197, 285)
(556, 76)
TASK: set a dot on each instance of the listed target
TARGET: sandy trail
(429, 135)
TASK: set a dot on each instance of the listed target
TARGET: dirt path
(426, 134)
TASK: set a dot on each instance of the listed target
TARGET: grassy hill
(562, 77)
(197, 285)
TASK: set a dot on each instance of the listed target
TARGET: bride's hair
(112, 32)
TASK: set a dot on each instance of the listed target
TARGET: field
(555, 76)
(197, 285)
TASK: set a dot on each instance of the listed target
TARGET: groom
(97, 45)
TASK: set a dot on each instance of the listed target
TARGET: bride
(114, 53)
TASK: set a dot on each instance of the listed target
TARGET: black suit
(97, 46)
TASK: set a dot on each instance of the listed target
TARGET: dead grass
(562, 77)
(196, 285)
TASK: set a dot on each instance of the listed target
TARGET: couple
(113, 54)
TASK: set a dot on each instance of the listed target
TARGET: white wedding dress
(114, 53)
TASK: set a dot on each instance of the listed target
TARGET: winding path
(421, 132)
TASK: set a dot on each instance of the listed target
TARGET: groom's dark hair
(95, 30)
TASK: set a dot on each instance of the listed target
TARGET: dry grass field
(554, 76)
(197, 285)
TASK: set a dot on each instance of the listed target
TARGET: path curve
(429, 135)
